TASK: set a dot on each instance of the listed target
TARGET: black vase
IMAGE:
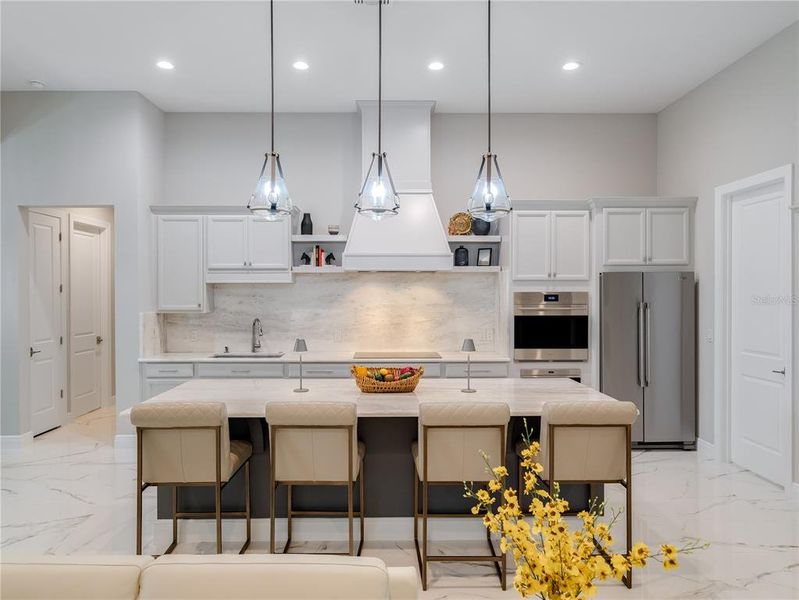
(480, 227)
(461, 257)
(306, 227)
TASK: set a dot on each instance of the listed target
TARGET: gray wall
(741, 122)
(214, 158)
(77, 149)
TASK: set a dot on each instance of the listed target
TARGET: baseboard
(16, 442)
(378, 529)
(705, 449)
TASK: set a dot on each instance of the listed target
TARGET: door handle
(780, 372)
(648, 335)
(99, 339)
(640, 344)
(34, 352)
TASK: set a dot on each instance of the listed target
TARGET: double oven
(550, 326)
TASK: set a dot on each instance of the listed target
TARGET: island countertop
(246, 398)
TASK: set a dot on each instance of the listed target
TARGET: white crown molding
(550, 204)
(642, 202)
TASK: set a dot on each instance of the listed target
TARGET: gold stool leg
(218, 503)
(362, 504)
(350, 518)
(247, 507)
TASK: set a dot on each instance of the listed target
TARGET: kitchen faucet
(257, 332)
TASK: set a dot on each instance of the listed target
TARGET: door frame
(782, 176)
(105, 306)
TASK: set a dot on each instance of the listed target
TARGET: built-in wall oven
(550, 326)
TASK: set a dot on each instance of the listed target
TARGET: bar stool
(588, 443)
(451, 437)
(315, 444)
(182, 444)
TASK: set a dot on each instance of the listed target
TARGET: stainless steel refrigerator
(648, 352)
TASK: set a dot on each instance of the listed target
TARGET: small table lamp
(300, 346)
(468, 347)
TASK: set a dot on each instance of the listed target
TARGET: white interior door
(86, 343)
(48, 406)
(760, 330)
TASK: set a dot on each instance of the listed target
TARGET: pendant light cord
(272, 70)
(380, 76)
(489, 76)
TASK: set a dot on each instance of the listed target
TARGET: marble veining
(348, 311)
(69, 493)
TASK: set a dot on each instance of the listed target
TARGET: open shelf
(474, 239)
(318, 270)
(473, 269)
(319, 239)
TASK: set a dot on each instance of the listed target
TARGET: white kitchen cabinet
(530, 255)
(570, 244)
(179, 262)
(638, 236)
(269, 243)
(226, 242)
(668, 236)
(625, 236)
(550, 244)
(248, 249)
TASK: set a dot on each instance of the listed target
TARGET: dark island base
(389, 476)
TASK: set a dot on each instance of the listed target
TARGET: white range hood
(414, 239)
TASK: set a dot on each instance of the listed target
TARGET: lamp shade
(300, 345)
(468, 345)
(271, 198)
(489, 200)
(378, 197)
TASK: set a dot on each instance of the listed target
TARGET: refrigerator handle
(648, 337)
(640, 345)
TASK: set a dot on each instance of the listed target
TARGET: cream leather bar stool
(589, 443)
(451, 438)
(183, 444)
(314, 444)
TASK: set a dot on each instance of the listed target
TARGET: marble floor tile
(70, 493)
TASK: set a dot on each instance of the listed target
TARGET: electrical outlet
(709, 336)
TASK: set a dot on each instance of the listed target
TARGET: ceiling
(636, 56)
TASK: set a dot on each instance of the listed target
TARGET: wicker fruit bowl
(376, 380)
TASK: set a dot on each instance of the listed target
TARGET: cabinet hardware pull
(320, 371)
(167, 370)
(239, 370)
(780, 372)
(481, 370)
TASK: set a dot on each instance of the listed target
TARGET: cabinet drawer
(168, 370)
(240, 370)
(332, 370)
(153, 387)
(478, 370)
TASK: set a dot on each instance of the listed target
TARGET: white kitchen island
(246, 398)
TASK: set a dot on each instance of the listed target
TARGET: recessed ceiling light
(435, 65)
(300, 65)
(36, 84)
(165, 65)
(571, 66)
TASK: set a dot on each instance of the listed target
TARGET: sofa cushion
(71, 577)
(265, 576)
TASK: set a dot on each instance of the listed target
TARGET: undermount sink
(248, 355)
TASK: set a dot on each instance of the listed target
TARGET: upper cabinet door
(530, 258)
(179, 250)
(624, 231)
(269, 244)
(668, 236)
(227, 242)
(570, 244)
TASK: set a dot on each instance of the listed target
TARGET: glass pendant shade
(378, 197)
(271, 198)
(489, 200)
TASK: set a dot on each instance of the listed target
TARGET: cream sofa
(233, 577)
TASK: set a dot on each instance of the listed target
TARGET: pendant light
(489, 200)
(271, 198)
(378, 198)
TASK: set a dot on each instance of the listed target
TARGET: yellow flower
(475, 510)
(500, 472)
(483, 496)
(494, 485)
(668, 550)
(639, 554)
(670, 563)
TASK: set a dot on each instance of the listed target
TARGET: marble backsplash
(347, 312)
